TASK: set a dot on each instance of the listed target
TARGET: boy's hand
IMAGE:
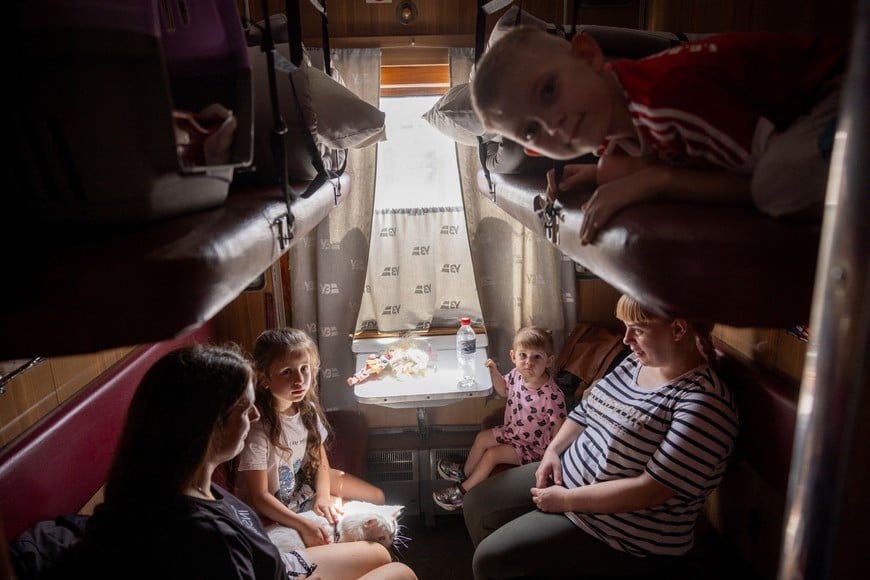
(574, 175)
(610, 198)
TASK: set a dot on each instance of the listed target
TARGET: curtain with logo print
(429, 248)
(328, 266)
(522, 278)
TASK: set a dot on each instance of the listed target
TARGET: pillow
(344, 121)
(508, 157)
(454, 116)
(277, 26)
(299, 163)
(507, 21)
(336, 117)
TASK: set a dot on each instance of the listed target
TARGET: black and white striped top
(681, 434)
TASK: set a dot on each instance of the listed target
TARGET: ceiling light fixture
(406, 13)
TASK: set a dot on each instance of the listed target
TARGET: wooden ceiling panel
(439, 22)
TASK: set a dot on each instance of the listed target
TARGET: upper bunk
(725, 264)
(81, 293)
(121, 224)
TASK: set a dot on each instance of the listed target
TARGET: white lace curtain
(522, 278)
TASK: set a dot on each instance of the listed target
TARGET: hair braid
(702, 331)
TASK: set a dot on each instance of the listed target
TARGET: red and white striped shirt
(711, 103)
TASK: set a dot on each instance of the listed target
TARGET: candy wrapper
(407, 358)
(374, 366)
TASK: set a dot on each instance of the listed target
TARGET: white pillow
(507, 21)
(454, 116)
(344, 121)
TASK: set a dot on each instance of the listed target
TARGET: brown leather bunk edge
(84, 291)
(725, 264)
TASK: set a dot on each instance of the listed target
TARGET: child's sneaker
(451, 470)
(449, 498)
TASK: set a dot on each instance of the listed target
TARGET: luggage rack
(95, 140)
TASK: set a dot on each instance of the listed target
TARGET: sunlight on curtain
(522, 278)
(420, 274)
(327, 267)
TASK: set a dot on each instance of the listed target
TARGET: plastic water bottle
(466, 346)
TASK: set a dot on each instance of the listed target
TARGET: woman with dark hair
(164, 518)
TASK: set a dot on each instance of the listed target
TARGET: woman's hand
(312, 533)
(574, 175)
(553, 499)
(549, 471)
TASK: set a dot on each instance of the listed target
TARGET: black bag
(35, 552)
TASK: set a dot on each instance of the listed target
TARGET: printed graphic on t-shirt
(620, 416)
(286, 484)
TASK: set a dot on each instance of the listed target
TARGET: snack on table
(405, 358)
(374, 365)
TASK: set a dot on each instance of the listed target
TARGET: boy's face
(557, 100)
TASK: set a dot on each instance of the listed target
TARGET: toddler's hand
(490, 364)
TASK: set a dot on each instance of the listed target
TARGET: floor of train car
(438, 551)
(444, 550)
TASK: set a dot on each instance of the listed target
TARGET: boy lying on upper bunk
(730, 118)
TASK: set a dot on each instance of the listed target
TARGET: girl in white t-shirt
(284, 465)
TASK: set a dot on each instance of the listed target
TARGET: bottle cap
(465, 320)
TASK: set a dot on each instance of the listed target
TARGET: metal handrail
(830, 452)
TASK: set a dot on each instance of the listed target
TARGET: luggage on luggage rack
(108, 125)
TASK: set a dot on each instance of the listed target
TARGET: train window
(416, 164)
(419, 274)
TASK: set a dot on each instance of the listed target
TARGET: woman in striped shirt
(623, 481)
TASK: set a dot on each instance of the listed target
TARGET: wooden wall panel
(28, 398)
(596, 302)
(71, 373)
(772, 348)
(242, 320)
(828, 16)
(439, 22)
(39, 390)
